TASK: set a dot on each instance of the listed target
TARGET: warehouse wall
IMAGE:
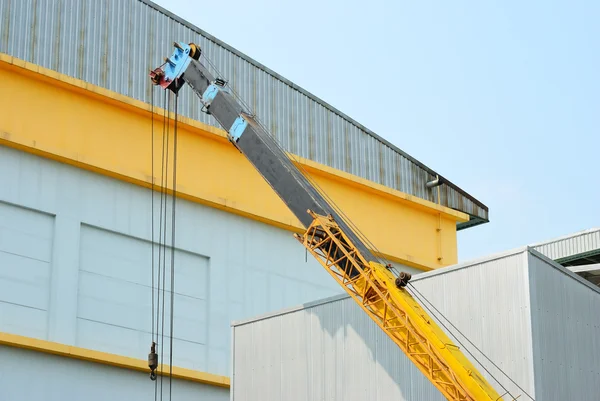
(566, 323)
(534, 319)
(59, 378)
(327, 350)
(75, 258)
(488, 301)
(336, 352)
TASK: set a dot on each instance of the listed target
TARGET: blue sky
(501, 97)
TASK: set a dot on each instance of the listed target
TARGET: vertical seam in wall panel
(51, 278)
(232, 359)
(531, 301)
(209, 299)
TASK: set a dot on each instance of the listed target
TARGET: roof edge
(562, 269)
(292, 309)
(566, 236)
(315, 98)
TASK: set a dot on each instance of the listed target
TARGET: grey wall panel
(535, 320)
(488, 302)
(58, 378)
(114, 297)
(227, 267)
(113, 44)
(566, 325)
(328, 351)
(337, 352)
(26, 239)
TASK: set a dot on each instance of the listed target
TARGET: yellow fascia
(85, 354)
(69, 120)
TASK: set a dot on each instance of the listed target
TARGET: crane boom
(329, 238)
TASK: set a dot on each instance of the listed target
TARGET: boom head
(167, 75)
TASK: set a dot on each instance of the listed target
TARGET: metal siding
(330, 351)
(346, 356)
(570, 245)
(227, 267)
(566, 324)
(489, 303)
(57, 378)
(115, 44)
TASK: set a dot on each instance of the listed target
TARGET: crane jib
(329, 236)
(263, 151)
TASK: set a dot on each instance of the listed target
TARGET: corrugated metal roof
(570, 247)
(115, 44)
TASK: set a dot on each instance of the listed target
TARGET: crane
(329, 237)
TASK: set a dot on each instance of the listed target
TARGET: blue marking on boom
(209, 94)
(177, 62)
(237, 128)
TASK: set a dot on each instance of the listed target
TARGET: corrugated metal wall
(487, 301)
(566, 328)
(534, 319)
(571, 245)
(113, 44)
(58, 378)
(327, 351)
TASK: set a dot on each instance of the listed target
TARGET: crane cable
(421, 296)
(174, 197)
(163, 230)
(378, 254)
(152, 357)
(158, 314)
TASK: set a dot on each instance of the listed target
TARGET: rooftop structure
(113, 45)
(580, 252)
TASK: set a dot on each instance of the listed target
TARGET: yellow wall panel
(74, 122)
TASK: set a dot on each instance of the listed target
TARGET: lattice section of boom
(371, 285)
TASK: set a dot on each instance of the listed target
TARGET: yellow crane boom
(329, 238)
(382, 296)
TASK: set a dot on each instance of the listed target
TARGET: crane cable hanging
(174, 197)
(418, 295)
(378, 254)
(158, 314)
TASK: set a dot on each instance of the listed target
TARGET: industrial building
(76, 140)
(80, 152)
(522, 310)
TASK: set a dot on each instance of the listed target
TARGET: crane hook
(153, 361)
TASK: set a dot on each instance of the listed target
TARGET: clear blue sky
(501, 97)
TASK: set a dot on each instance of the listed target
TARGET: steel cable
(421, 296)
(174, 196)
(165, 179)
(378, 254)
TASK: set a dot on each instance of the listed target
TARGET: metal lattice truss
(382, 296)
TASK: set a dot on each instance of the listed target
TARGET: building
(78, 131)
(534, 319)
(579, 252)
